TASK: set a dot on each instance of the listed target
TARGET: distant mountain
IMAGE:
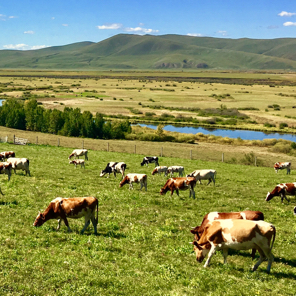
(125, 51)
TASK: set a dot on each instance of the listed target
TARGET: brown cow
(281, 190)
(281, 166)
(6, 154)
(160, 169)
(77, 162)
(5, 168)
(76, 207)
(180, 183)
(239, 235)
(134, 178)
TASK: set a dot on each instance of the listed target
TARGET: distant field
(267, 98)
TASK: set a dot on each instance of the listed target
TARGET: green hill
(126, 51)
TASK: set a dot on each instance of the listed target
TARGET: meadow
(142, 246)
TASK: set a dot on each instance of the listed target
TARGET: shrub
(267, 124)
(283, 125)
(293, 145)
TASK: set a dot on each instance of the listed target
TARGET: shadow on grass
(7, 203)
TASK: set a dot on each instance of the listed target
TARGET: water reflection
(243, 134)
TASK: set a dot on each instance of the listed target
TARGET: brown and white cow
(79, 152)
(6, 154)
(281, 190)
(76, 207)
(238, 235)
(5, 168)
(281, 166)
(204, 175)
(114, 167)
(77, 162)
(19, 164)
(134, 178)
(176, 169)
(160, 169)
(176, 184)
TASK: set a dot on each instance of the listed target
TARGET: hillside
(126, 51)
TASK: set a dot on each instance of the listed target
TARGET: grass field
(142, 246)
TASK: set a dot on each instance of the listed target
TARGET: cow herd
(218, 231)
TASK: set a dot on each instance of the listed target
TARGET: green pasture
(142, 246)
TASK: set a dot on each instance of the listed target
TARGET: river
(243, 134)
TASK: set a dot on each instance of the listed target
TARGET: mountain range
(126, 51)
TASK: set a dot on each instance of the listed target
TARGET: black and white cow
(114, 167)
(150, 159)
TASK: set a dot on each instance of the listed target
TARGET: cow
(204, 175)
(134, 178)
(176, 184)
(19, 164)
(281, 166)
(150, 159)
(5, 168)
(114, 167)
(75, 207)
(79, 152)
(281, 190)
(236, 234)
(76, 162)
(176, 169)
(160, 169)
(6, 154)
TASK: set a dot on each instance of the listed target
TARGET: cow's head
(102, 173)
(163, 191)
(154, 172)
(142, 163)
(71, 155)
(124, 181)
(200, 251)
(40, 219)
(269, 196)
(189, 175)
(71, 161)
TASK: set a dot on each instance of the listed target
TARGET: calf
(5, 168)
(76, 162)
(134, 178)
(115, 167)
(281, 166)
(160, 169)
(238, 235)
(204, 175)
(6, 154)
(150, 159)
(281, 190)
(79, 152)
(176, 169)
(76, 207)
(19, 164)
(176, 184)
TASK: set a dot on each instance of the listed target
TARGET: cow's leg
(225, 254)
(94, 223)
(177, 191)
(87, 222)
(193, 193)
(260, 259)
(210, 180)
(131, 186)
(283, 195)
(211, 253)
(59, 224)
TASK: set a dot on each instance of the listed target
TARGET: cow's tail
(274, 233)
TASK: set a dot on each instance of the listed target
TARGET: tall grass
(142, 246)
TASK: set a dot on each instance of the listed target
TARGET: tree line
(28, 115)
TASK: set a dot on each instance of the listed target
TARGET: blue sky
(33, 24)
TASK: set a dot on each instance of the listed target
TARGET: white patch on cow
(227, 223)
(57, 199)
(212, 216)
(282, 186)
(243, 215)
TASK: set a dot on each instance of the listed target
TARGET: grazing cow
(5, 168)
(76, 207)
(281, 190)
(134, 178)
(150, 159)
(115, 167)
(19, 164)
(6, 154)
(76, 162)
(176, 169)
(79, 152)
(236, 234)
(160, 169)
(281, 166)
(181, 183)
(204, 175)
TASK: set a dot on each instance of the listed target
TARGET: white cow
(134, 178)
(76, 162)
(204, 175)
(160, 169)
(176, 169)
(79, 152)
(19, 164)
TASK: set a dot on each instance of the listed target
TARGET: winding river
(243, 134)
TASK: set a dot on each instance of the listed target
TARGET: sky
(35, 24)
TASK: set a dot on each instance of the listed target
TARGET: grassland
(142, 246)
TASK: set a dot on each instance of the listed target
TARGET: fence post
(108, 147)
(13, 139)
(6, 139)
(58, 142)
(161, 151)
(135, 149)
(222, 157)
(191, 154)
(36, 140)
(82, 144)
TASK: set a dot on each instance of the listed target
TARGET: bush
(293, 145)
(267, 124)
(283, 125)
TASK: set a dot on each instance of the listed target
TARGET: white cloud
(4, 17)
(223, 33)
(194, 34)
(29, 32)
(288, 24)
(110, 27)
(141, 30)
(285, 13)
(65, 25)
(23, 46)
